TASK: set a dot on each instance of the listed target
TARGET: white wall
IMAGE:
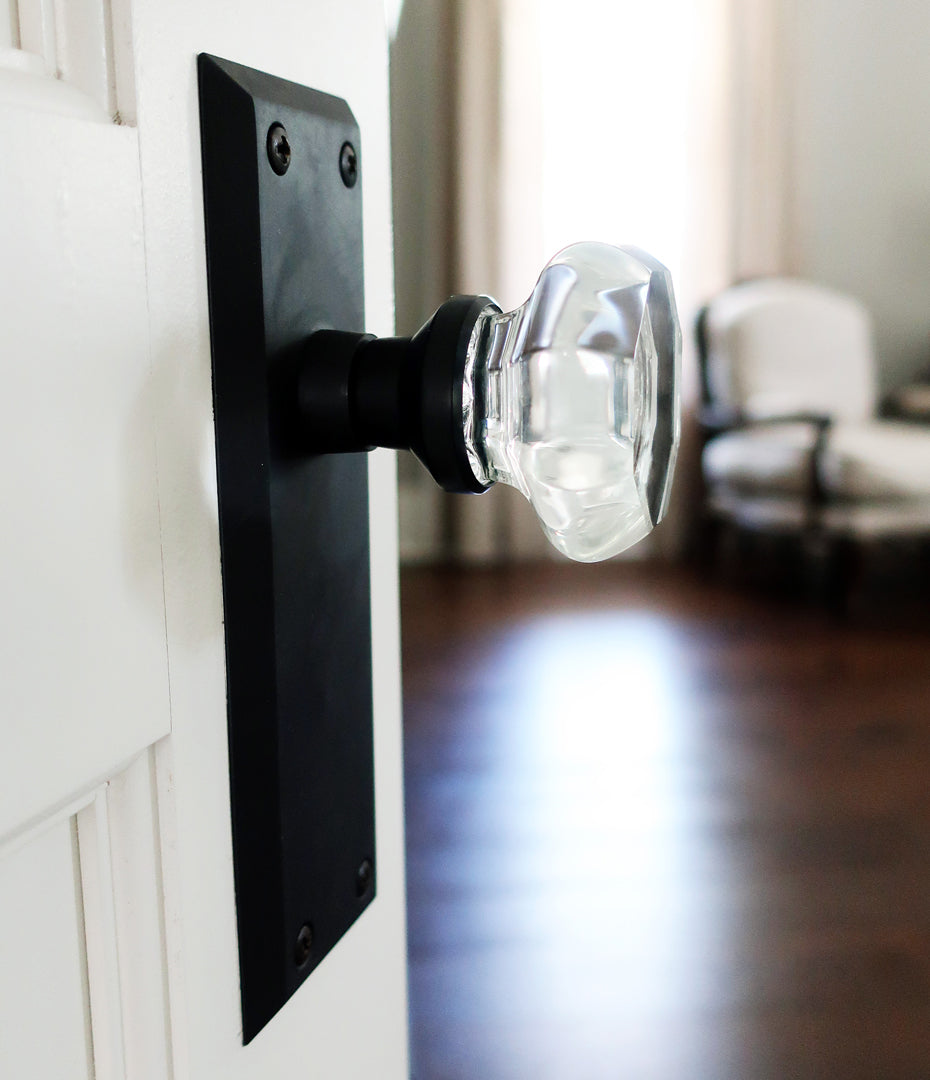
(421, 159)
(861, 88)
(421, 164)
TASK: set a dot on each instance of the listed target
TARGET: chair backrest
(778, 346)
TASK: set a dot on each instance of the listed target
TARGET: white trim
(26, 833)
(93, 830)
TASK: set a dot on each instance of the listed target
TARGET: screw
(364, 877)
(303, 945)
(348, 164)
(279, 149)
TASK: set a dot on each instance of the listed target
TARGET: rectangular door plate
(284, 258)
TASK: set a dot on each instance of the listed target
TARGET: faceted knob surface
(573, 398)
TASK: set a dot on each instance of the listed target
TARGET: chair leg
(789, 564)
(707, 543)
(746, 557)
(923, 566)
(844, 564)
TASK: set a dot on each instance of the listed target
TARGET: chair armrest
(817, 420)
(816, 495)
(715, 422)
(910, 402)
(713, 419)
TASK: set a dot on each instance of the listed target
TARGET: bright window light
(616, 79)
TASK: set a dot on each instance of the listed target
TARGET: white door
(118, 952)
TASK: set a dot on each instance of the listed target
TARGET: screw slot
(304, 945)
(364, 876)
(279, 149)
(348, 165)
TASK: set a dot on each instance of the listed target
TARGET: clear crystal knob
(572, 398)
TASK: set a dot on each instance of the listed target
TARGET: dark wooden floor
(658, 830)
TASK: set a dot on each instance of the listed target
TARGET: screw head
(364, 876)
(279, 149)
(348, 164)
(304, 945)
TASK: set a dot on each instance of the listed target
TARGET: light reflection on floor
(595, 756)
(663, 834)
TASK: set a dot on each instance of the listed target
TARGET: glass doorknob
(572, 398)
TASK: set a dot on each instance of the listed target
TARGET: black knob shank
(355, 392)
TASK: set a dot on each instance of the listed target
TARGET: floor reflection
(658, 831)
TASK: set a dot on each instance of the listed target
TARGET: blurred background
(668, 816)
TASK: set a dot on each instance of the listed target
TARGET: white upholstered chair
(794, 444)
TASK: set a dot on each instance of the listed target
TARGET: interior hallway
(658, 830)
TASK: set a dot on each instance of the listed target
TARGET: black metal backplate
(284, 258)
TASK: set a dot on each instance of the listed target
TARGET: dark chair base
(841, 572)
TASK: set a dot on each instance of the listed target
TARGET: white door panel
(45, 1011)
(84, 671)
(111, 620)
